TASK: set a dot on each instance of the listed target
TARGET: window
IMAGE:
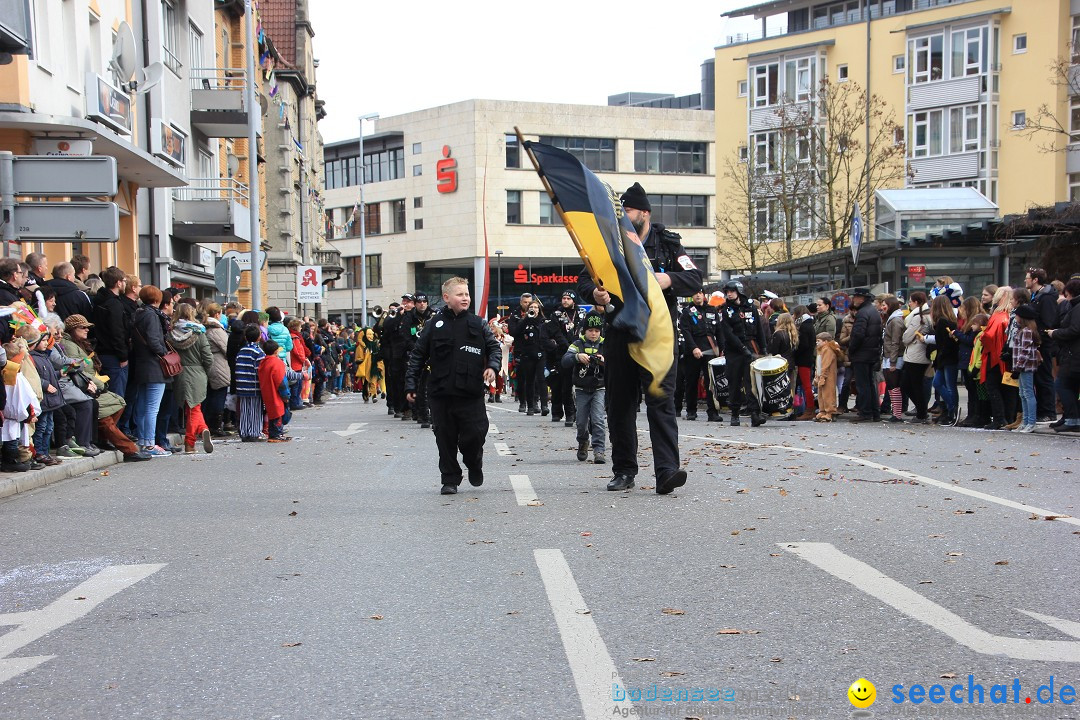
(195, 47)
(1019, 119)
(372, 219)
(373, 273)
(384, 165)
(743, 88)
(680, 210)
(169, 41)
(513, 207)
(744, 153)
(764, 151)
(397, 212)
(765, 220)
(925, 132)
(513, 151)
(417, 170)
(841, 73)
(70, 44)
(968, 52)
(42, 34)
(548, 214)
(597, 154)
(417, 203)
(416, 148)
(965, 128)
(95, 44)
(926, 59)
(766, 79)
(1074, 187)
(669, 157)
(898, 64)
(1020, 43)
(799, 79)
(1075, 44)
(418, 224)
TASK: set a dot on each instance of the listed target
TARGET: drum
(771, 384)
(718, 381)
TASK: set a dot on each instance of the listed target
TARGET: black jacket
(526, 334)
(948, 346)
(112, 331)
(667, 255)
(147, 345)
(458, 348)
(1045, 302)
(1067, 337)
(553, 340)
(70, 299)
(698, 323)
(866, 340)
(8, 293)
(742, 328)
(806, 351)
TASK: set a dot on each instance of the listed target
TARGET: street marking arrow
(35, 624)
(352, 430)
(876, 584)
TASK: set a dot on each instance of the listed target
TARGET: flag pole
(562, 215)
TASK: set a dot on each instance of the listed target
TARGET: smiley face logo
(862, 693)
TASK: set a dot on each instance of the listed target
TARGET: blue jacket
(279, 334)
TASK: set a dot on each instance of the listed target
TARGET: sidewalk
(12, 483)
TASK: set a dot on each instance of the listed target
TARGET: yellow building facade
(963, 79)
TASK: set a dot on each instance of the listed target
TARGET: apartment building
(450, 191)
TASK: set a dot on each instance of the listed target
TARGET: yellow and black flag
(613, 255)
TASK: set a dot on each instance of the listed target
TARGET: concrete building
(450, 192)
(963, 77)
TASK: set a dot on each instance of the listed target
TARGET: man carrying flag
(677, 276)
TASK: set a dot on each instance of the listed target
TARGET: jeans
(945, 384)
(1027, 396)
(590, 409)
(296, 400)
(1068, 387)
(165, 417)
(149, 400)
(118, 376)
(43, 433)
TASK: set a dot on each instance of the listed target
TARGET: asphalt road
(327, 578)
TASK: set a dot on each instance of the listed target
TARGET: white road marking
(1060, 516)
(353, 429)
(523, 489)
(593, 670)
(35, 624)
(493, 429)
(878, 585)
(1066, 626)
(503, 449)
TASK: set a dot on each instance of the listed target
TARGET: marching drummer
(744, 337)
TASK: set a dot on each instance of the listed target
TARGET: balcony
(211, 210)
(219, 103)
(332, 268)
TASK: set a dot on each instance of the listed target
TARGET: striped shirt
(247, 367)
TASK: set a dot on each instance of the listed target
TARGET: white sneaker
(1026, 428)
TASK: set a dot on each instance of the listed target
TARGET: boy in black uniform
(464, 357)
(678, 277)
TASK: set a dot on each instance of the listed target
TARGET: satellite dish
(124, 56)
(264, 104)
(233, 164)
(151, 76)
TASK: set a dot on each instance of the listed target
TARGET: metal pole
(498, 281)
(352, 295)
(254, 116)
(7, 199)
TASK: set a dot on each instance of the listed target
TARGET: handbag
(82, 381)
(169, 362)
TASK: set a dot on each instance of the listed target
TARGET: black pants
(562, 404)
(624, 381)
(531, 375)
(739, 392)
(459, 424)
(912, 377)
(867, 398)
(422, 410)
(1045, 397)
(694, 368)
(397, 384)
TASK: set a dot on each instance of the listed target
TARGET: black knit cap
(635, 197)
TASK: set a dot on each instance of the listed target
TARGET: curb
(13, 483)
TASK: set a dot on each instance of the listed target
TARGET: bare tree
(1047, 123)
(739, 241)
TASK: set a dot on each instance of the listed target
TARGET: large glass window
(766, 220)
(968, 52)
(670, 156)
(195, 47)
(965, 128)
(764, 151)
(372, 219)
(1074, 187)
(1074, 118)
(765, 81)
(374, 270)
(597, 154)
(799, 79)
(513, 207)
(680, 210)
(548, 214)
(926, 59)
(513, 151)
(397, 213)
(384, 165)
(925, 132)
(170, 32)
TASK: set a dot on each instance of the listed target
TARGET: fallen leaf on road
(470, 519)
(534, 503)
(729, 631)
(1002, 562)
(776, 659)
(926, 582)
(514, 612)
(963, 512)
(292, 514)
(741, 492)
(775, 554)
(671, 673)
(783, 492)
(643, 659)
(954, 554)
(583, 612)
(1055, 517)
(105, 472)
(672, 611)
(291, 644)
(80, 598)
(726, 567)
(734, 532)
(376, 617)
(586, 534)
(480, 542)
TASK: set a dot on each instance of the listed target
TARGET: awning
(132, 163)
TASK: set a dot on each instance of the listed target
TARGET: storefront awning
(132, 163)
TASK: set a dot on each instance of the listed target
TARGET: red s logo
(446, 172)
(521, 275)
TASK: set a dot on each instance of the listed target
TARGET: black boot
(735, 420)
(757, 419)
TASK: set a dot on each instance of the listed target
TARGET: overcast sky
(393, 57)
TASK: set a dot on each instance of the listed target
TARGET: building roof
(936, 199)
(765, 8)
(279, 22)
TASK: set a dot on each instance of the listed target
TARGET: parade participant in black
(554, 340)
(699, 323)
(464, 357)
(678, 277)
(680, 355)
(529, 352)
(384, 351)
(864, 352)
(513, 317)
(398, 358)
(575, 326)
(744, 337)
(416, 320)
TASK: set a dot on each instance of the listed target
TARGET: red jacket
(993, 342)
(299, 353)
(271, 375)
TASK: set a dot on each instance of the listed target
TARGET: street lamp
(363, 223)
(498, 280)
(352, 294)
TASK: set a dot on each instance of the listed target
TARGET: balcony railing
(218, 78)
(212, 189)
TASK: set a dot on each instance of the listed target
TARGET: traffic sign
(856, 234)
(309, 287)
(56, 176)
(68, 221)
(243, 259)
(227, 276)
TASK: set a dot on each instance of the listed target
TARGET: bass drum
(772, 385)
(719, 382)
